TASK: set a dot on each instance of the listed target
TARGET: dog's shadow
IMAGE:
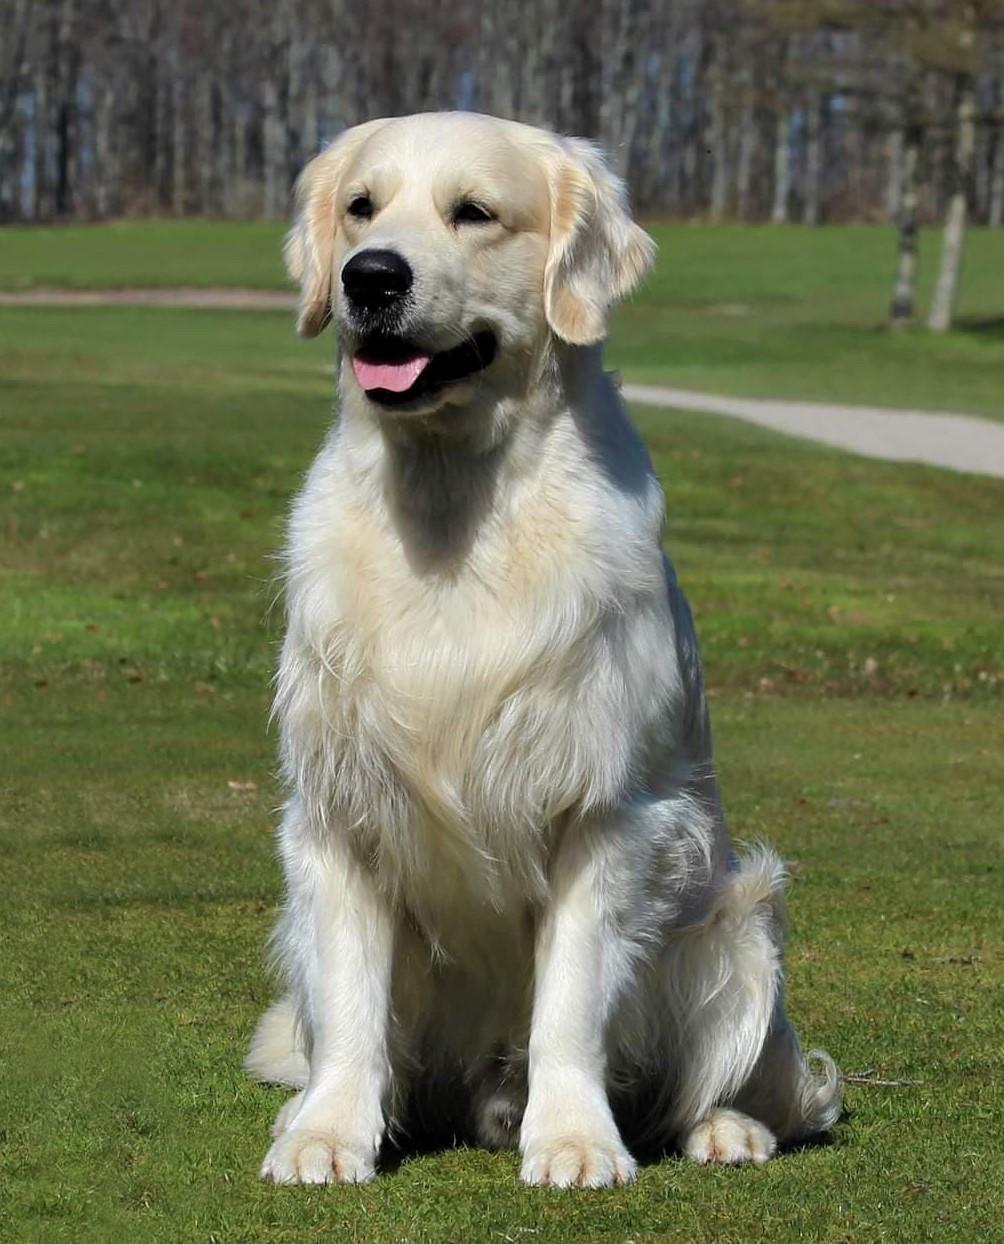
(424, 1134)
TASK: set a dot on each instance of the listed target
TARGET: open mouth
(393, 372)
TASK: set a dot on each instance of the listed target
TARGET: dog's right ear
(309, 246)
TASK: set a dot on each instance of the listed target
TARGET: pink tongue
(395, 377)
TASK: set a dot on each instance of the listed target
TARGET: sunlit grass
(850, 618)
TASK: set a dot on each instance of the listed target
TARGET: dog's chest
(451, 734)
(466, 711)
(443, 739)
(448, 726)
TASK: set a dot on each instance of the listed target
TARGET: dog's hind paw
(498, 1115)
(728, 1137)
(300, 1156)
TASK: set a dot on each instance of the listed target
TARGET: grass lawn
(850, 616)
(154, 252)
(759, 312)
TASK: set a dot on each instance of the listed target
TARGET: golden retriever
(507, 867)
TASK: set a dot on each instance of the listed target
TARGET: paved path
(958, 442)
(221, 299)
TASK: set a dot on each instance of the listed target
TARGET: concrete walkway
(958, 442)
(215, 299)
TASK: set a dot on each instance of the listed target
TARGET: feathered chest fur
(449, 724)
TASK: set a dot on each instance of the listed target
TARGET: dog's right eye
(361, 207)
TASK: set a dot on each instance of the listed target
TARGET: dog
(508, 872)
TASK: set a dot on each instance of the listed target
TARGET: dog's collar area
(394, 372)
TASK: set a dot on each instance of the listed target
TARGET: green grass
(850, 618)
(125, 253)
(760, 312)
(801, 313)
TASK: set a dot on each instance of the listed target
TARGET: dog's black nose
(375, 279)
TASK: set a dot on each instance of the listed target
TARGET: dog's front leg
(337, 938)
(569, 1137)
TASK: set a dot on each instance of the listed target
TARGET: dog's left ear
(597, 254)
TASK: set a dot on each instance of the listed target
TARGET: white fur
(504, 847)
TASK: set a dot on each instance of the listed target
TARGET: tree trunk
(205, 143)
(632, 87)
(273, 151)
(310, 133)
(894, 182)
(8, 176)
(65, 135)
(105, 165)
(953, 237)
(982, 159)
(811, 208)
(178, 189)
(747, 156)
(995, 212)
(40, 120)
(13, 62)
(617, 19)
(237, 189)
(904, 291)
(653, 162)
(782, 168)
(66, 108)
(719, 135)
(161, 130)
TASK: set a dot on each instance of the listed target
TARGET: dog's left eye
(361, 207)
(470, 213)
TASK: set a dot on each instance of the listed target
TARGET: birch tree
(964, 44)
(904, 291)
(995, 208)
(953, 236)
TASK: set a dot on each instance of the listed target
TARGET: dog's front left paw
(301, 1156)
(729, 1138)
(578, 1160)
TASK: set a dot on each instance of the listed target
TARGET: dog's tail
(276, 1055)
(734, 1044)
(821, 1092)
(797, 1095)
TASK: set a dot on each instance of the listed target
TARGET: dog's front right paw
(577, 1160)
(302, 1156)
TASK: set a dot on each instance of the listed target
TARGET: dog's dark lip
(449, 366)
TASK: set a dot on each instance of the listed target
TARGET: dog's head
(448, 245)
